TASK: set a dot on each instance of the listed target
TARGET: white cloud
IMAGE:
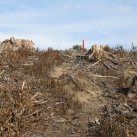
(66, 6)
(124, 9)
(21, 17)
(59, 35)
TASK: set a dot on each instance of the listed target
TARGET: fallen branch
(101, 76)
(92, 65)
(73, 79)
(107, 66)
(39, 102)
(2, 72)
(31, 100)
(112, 59)
(33, 97)
(33, 113)
(67, 56)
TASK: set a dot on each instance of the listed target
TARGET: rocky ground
(57, 94)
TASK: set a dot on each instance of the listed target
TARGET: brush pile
(13, 44)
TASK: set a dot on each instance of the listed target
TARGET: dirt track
(81, 86)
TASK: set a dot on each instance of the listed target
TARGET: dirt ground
(81, 86)
(55, 94)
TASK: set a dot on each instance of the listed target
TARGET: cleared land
(54, 94)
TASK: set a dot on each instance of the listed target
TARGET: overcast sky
(60, 24)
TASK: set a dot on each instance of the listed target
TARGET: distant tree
(119, 50)
(107, 48)
(133, 48)
(78, 48)
(119, 47)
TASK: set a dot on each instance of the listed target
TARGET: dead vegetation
(13, 44)
(53, 93)
(32, 102)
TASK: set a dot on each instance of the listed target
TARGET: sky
(60, 24)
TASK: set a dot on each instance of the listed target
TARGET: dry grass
(34, 103)
(110, 128)
(31, 100)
